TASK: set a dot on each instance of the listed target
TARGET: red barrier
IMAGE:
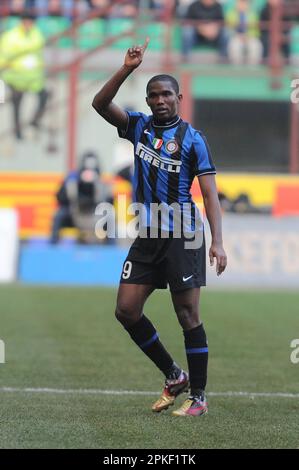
(286, 201)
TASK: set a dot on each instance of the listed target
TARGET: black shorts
(159, 262)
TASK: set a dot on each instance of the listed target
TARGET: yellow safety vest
(21, 59)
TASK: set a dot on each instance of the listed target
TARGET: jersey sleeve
(134, 118)
(202, 163)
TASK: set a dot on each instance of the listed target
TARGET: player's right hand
(134, 56)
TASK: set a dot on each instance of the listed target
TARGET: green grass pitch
(66, 339)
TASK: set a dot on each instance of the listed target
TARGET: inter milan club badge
(172, 146)
(157, 143)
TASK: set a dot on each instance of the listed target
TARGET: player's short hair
(164, 78)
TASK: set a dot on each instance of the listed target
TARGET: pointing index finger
(146, 42)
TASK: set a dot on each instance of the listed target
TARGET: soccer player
(169, 153)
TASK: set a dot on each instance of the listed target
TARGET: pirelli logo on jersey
(153, 158)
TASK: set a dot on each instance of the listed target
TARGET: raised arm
(103, 103)
(211, 202)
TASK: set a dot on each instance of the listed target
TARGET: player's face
(163, 100)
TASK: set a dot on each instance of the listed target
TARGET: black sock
(144, 334)
(197, 356)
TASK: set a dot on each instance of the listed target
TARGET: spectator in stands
(55, 7)
(40, 7)
(103, 4)
(182, 7)
(244, 44)
(161, 9)
(126, 9)
(4, 8)
(80, 193)
(16, 7)
(22, 65)
(208, 28)
(97, 3)
(265, 33)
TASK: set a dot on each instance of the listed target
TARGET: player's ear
(180, 97)
(146, 99)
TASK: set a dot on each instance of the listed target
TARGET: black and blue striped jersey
(167, 158)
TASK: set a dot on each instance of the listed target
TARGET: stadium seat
(257, 5)
(52, 25)
(157, 33)
(158, 36)
(10, 22)
(176, 37)
(295, 40)
(206, 48)
(91, 34)
(117, 26)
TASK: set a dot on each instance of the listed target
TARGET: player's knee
(120, 314)
(125, 313)
(188, 316)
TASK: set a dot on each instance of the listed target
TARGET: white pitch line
(91, 391)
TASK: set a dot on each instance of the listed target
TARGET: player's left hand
(217, 251)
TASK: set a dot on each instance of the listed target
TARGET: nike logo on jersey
(153, 158)
(147, 132)
(187, 278)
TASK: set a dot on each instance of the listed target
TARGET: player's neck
(170, 122)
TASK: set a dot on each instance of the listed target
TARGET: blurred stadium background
(58, 338)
